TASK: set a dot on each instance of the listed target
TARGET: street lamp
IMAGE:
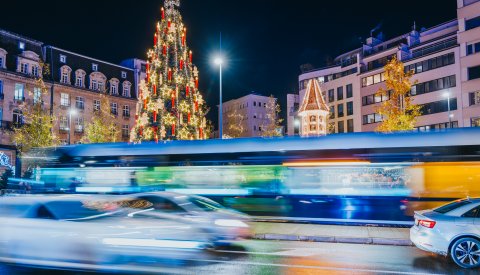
(219, 62)
(71, 112)
(447, 95)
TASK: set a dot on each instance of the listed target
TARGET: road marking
(318, 267)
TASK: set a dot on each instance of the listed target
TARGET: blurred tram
(368, 176)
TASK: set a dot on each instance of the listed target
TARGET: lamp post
(219, 62)
(447, 95)
(71, 113)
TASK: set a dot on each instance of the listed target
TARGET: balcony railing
(431, 49)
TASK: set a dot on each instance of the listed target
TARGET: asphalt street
(275, 257)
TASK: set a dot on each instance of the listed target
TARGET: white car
(91, 232)
(227, 225)
(450, 230)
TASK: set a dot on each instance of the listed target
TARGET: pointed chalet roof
(313, 100)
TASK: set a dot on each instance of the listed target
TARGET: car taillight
(427, 223)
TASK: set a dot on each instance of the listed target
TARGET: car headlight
(230, 223)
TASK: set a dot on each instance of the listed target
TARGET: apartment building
(250, 112)
(75, 83)
(446, 64)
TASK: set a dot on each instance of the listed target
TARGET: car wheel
(465, 252)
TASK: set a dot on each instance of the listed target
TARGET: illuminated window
(80, 78)
(63, 58)
(79, 103)
(37, 95)
(19, 92)
(65, 74)
(126, 89)
(114, 108)
(114, 86)
(64, 100)
(96, 105)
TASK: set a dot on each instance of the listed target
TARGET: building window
(255, 104)
(350, 108)
(349, 90)
(64, 78)
(124, 75)
(24, 68)
(313, 127)
(313, 119)
(63, 59)
(79, 125)
(126, 111)
(331, 95)
(114, 86)
(96, 105)
(341, 127)
(125, 131)
(1, 88)
(37, 95)
(1, 62)
(114, 108)
(21, 45)
(431, 64)
(475, 122)
(332, 112)
(64, 100)
(474, 73)
(373, 79)
(350, 126)
(63, 123)
(474, 98)
(94, 67)
(340, 110)
(339, 93)
(438, 107)
(471, 48)
(65, 72)
(79, 103)
(126, 89)
(372, 118)
(472, 23)
(434, 85)
(17, 118)
(94, 85)
(80, 78)
(19, 92)
(254, 128)
(35, 71)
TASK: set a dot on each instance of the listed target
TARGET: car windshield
(80, 210)
(451, 206)
(205, 204)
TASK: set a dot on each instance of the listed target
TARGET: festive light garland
(170, 105)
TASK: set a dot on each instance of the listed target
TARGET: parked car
(226, 224)
(92, 231)
(450, 230)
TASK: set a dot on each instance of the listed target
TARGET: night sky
(265, 41)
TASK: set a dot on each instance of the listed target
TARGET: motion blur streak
(153, 243)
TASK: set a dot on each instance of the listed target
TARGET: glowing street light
(71, 112)
(450, 116)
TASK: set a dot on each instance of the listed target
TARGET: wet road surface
(272, 257)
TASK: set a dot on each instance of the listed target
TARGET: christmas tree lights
(170, 105)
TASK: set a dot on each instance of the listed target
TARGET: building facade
(446, 66)
(75, 83)
(248, 112)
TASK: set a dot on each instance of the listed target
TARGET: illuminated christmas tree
(170, 105)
